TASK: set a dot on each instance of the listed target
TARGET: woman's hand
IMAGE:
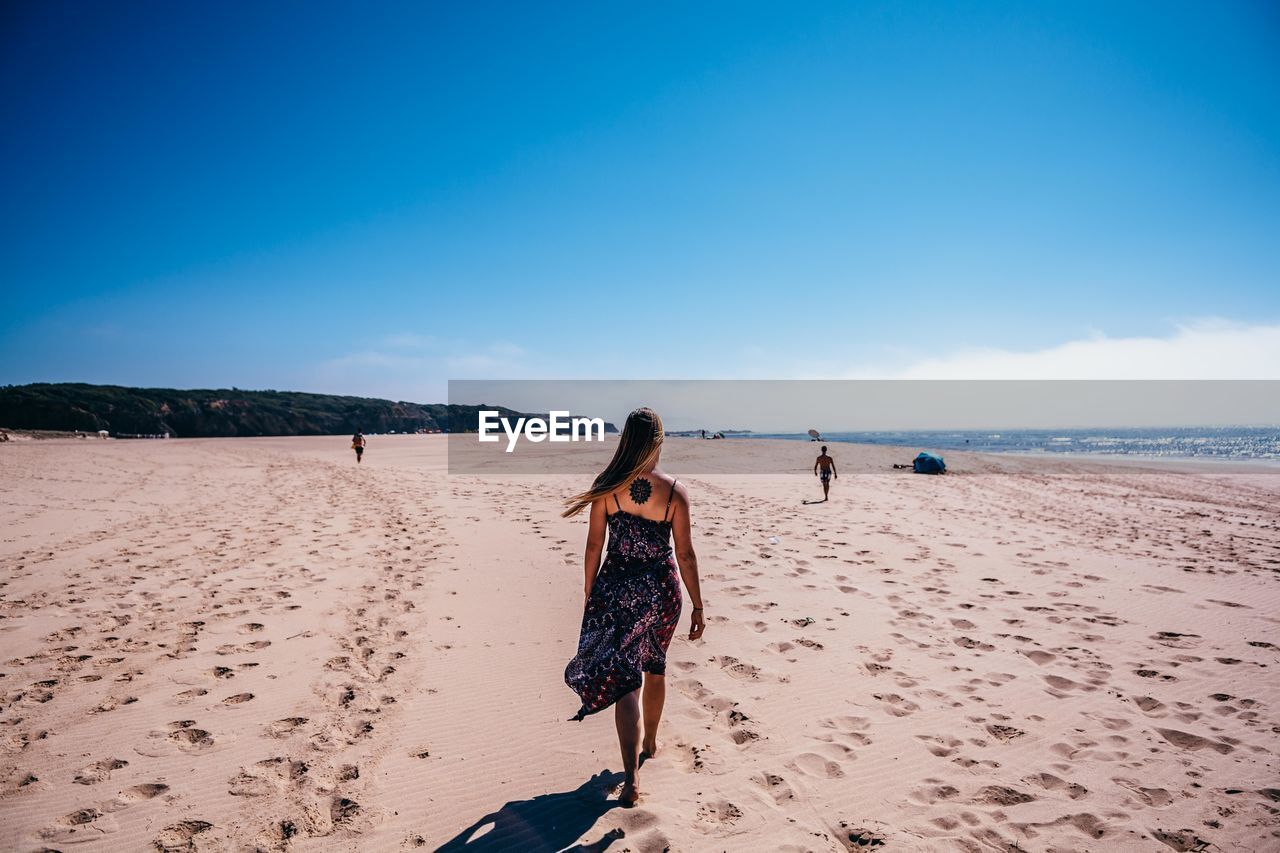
(696, 625)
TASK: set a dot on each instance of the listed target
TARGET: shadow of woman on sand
(549, 822)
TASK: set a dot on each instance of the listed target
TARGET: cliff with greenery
(222, 412)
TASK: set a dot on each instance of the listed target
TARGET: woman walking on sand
(633, 599)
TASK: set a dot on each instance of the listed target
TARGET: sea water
(1256, 443)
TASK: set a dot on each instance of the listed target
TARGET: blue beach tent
(927, 463)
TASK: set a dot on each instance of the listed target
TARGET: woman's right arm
(595, 546)
(681, 529)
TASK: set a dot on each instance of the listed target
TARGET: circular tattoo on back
(640, 490)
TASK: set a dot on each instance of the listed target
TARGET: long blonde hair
(637, 451)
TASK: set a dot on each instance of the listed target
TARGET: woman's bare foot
(648, 750)
(629, 795)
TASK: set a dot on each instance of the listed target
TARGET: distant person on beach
(633, 599)
(357, 444)
(824, 468)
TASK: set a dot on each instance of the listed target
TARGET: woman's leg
(626, 716)
(652, 700)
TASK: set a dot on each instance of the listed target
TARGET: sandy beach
(254, 644)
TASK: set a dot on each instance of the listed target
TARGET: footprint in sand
(776, 786)
(719, 812)
(737, 668)
(1001, 795)
(1154, 797)
(138, 794)
(706, 698)
(184, 734)
(99, 771)
(179, 837)
(812, 764)
(895, 705)
(847, 728)
(111, 703)
(1174, 640)
(862, 836)
(1050, 782)
(285, 727)
(231, 648)
(1183, 840)
(933, 791)
(1084, 822)
(15, 780)
(1060, 686)
(343, 810)
(266, 777)
(970, 643)
(1149, 705)
(1186, 740)
(698, 759)
(81, 825)
(1083, 749)
(738, 733)
(1038, 657)
(1151, 673)
(940, 746)
(188, 737)
(1004, 734)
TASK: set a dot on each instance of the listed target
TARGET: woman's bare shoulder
(662, 477)
(678, 492)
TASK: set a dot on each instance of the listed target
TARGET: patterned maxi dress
(631, 614)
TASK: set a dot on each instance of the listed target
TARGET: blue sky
(373, 200)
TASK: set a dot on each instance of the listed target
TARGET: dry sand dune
(254, 644)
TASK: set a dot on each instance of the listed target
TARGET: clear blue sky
(372, 198)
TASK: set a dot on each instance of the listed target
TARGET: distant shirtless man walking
(357, 444)
(825, 469)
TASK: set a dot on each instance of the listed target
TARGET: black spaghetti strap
(615, 501)
(670, 495)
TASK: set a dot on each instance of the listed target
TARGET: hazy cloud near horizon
(1202, 349)
(408, 367)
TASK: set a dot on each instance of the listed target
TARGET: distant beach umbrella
(815, 435)
(928, 463)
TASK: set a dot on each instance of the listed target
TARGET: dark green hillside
(220, 412)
